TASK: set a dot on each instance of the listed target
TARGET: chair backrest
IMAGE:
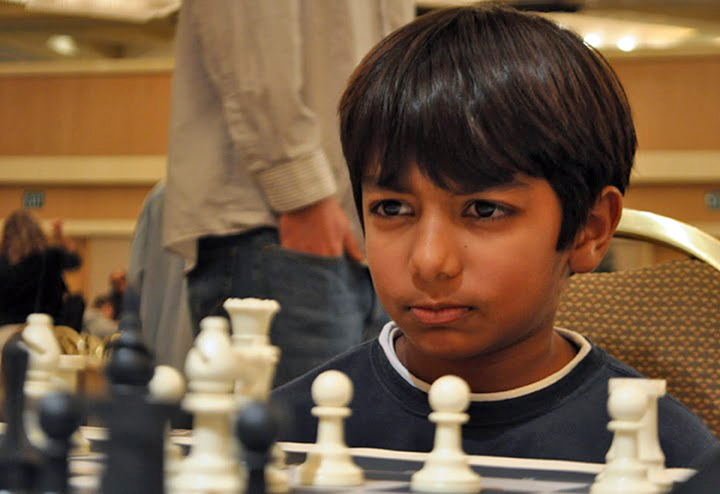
(663, 320)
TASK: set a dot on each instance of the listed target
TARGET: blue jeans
(327, 305)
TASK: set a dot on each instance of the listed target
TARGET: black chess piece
(256, 427)
(19, 459)
(136, 425)
(60, 415)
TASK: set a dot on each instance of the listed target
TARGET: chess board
(390, 471)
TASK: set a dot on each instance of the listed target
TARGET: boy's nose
(434, 255)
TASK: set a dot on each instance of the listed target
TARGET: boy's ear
(593, 240)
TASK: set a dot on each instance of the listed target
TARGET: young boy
(488, 151)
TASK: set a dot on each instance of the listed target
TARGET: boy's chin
(451, 351)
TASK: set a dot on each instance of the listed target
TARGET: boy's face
(466, 276)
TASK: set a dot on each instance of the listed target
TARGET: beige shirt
(253, 123)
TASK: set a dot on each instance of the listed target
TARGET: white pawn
(446, 468)
(329, 463)
(624, 471)
(168, 386)
(43, 364)
(211, 466)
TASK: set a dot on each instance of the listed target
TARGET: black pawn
(256, 428)
(131, 364)
(60, 416)
(136, 425)
(19, 459)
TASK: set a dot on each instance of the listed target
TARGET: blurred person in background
(31, 270)
(98, 318)
(156, 296)
(118, 283)
(258, 200)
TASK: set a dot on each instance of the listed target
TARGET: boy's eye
(390, 207)
(485, 210)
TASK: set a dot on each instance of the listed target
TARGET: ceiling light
(131, 10)
(652, 35)
(593, 39)
(63, 44)
(627, 43)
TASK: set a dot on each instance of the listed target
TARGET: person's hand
(57, 229)
(59, 238)
(321, 229)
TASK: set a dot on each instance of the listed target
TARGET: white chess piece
(68, 370)
(211, 466)
(168, 386)
(446, 468)
(250, 323)
(250, 320)
(329, 463)
(624, 472)
(650, 451)
(44, 360)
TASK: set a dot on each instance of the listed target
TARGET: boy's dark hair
(476, 95)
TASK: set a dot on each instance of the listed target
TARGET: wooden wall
(676, 104)
(84, 115)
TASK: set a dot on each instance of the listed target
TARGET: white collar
(391, 332)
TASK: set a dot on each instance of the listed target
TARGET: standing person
(258, 200)
(31, 269)
(156, 295)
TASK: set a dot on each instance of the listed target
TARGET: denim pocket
(278, 250)
(306, 280)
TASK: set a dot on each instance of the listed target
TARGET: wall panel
(676, 102)
(84, 114)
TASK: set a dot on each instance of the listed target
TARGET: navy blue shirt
(566, 420)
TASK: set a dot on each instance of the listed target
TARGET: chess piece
(624, 471)
(60, 416)
(446, 468)
(68, 369)
(257, 360)
(44, 351)
(329, 463)
(649, 449)
(19, 459)
(134, 422)
(256, 429)
(211, 370)
(250, 323)
(168, 386)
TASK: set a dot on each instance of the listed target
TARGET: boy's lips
(438, 314)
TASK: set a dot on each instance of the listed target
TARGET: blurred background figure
(156, 297)
(118, 282)
(31, 272)
(98, 319)
(258, 200)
